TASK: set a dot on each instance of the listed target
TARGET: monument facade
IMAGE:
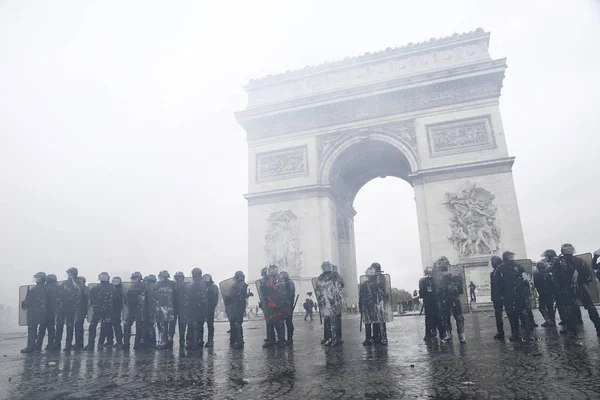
(427, 113)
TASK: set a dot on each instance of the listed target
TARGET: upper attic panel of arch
(390, 64)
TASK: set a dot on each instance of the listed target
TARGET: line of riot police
(156, 307)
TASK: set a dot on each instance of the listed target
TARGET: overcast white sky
(119, 150)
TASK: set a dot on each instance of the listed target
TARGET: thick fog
(119, 150)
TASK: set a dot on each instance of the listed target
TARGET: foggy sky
(119, 150)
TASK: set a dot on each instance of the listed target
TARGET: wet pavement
(551, 368)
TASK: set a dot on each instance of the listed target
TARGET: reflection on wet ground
(551, 368)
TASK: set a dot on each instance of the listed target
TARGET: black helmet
(73, 272)
(136, 275)
(567, 249)
(263, 272)
(164, 274)
(239, 276)
(549, 254)
(179, 276)
(116, 280)
(196, 272)
(326, 266)
(151, 278)
(541, 266)
(495, 261)
(51, 278)
(40, 277)
(507, 257)
(376, 267)
(103, 277)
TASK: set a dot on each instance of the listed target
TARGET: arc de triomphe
(427, 113)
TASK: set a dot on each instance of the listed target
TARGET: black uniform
(235, 306)
(515, 292)
(290, 290)
(568, 290)
(117, 311)
(70, 295)
(212, 299)
(181, 310)
(80, 315)
(542, 281)
(101, 301)
(36, 304)
(197, 310)
(149, 333)
(135, 299)
(54, 300)
(427, 293)
(497, 301)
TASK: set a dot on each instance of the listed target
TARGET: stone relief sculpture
(473, 226)
(281, 163)
(282, 241)
(475, 134)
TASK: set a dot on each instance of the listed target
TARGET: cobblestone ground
(551, 368)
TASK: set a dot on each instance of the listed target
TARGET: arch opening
(390, 215)
(362, 162)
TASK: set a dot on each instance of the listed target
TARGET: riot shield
(23, 313)
(163, 299)
(329, 297)
(590, 288)
(90, 312)
(274, 302)
(226, 288)
(451, 282)
(528, 267)
(376, 297)
(125, 310)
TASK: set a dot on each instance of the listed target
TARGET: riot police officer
(135, 300)
(197, 308)
(101, 301)
(427, 293)
(212, 299)
(235, 306)
(81, 313)
(52, 311)
(290, 291)
(36, 305)
(497, 301)
(70, 295)
(181, 309)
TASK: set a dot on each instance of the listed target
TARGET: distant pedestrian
(308, 307)
(472, 291)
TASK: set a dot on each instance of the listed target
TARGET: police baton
(422, 305)
(360, 326)
(295, 302)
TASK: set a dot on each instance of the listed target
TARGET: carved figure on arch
(282, 241)
(473, 227)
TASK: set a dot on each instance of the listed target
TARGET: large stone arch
(427, 113)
